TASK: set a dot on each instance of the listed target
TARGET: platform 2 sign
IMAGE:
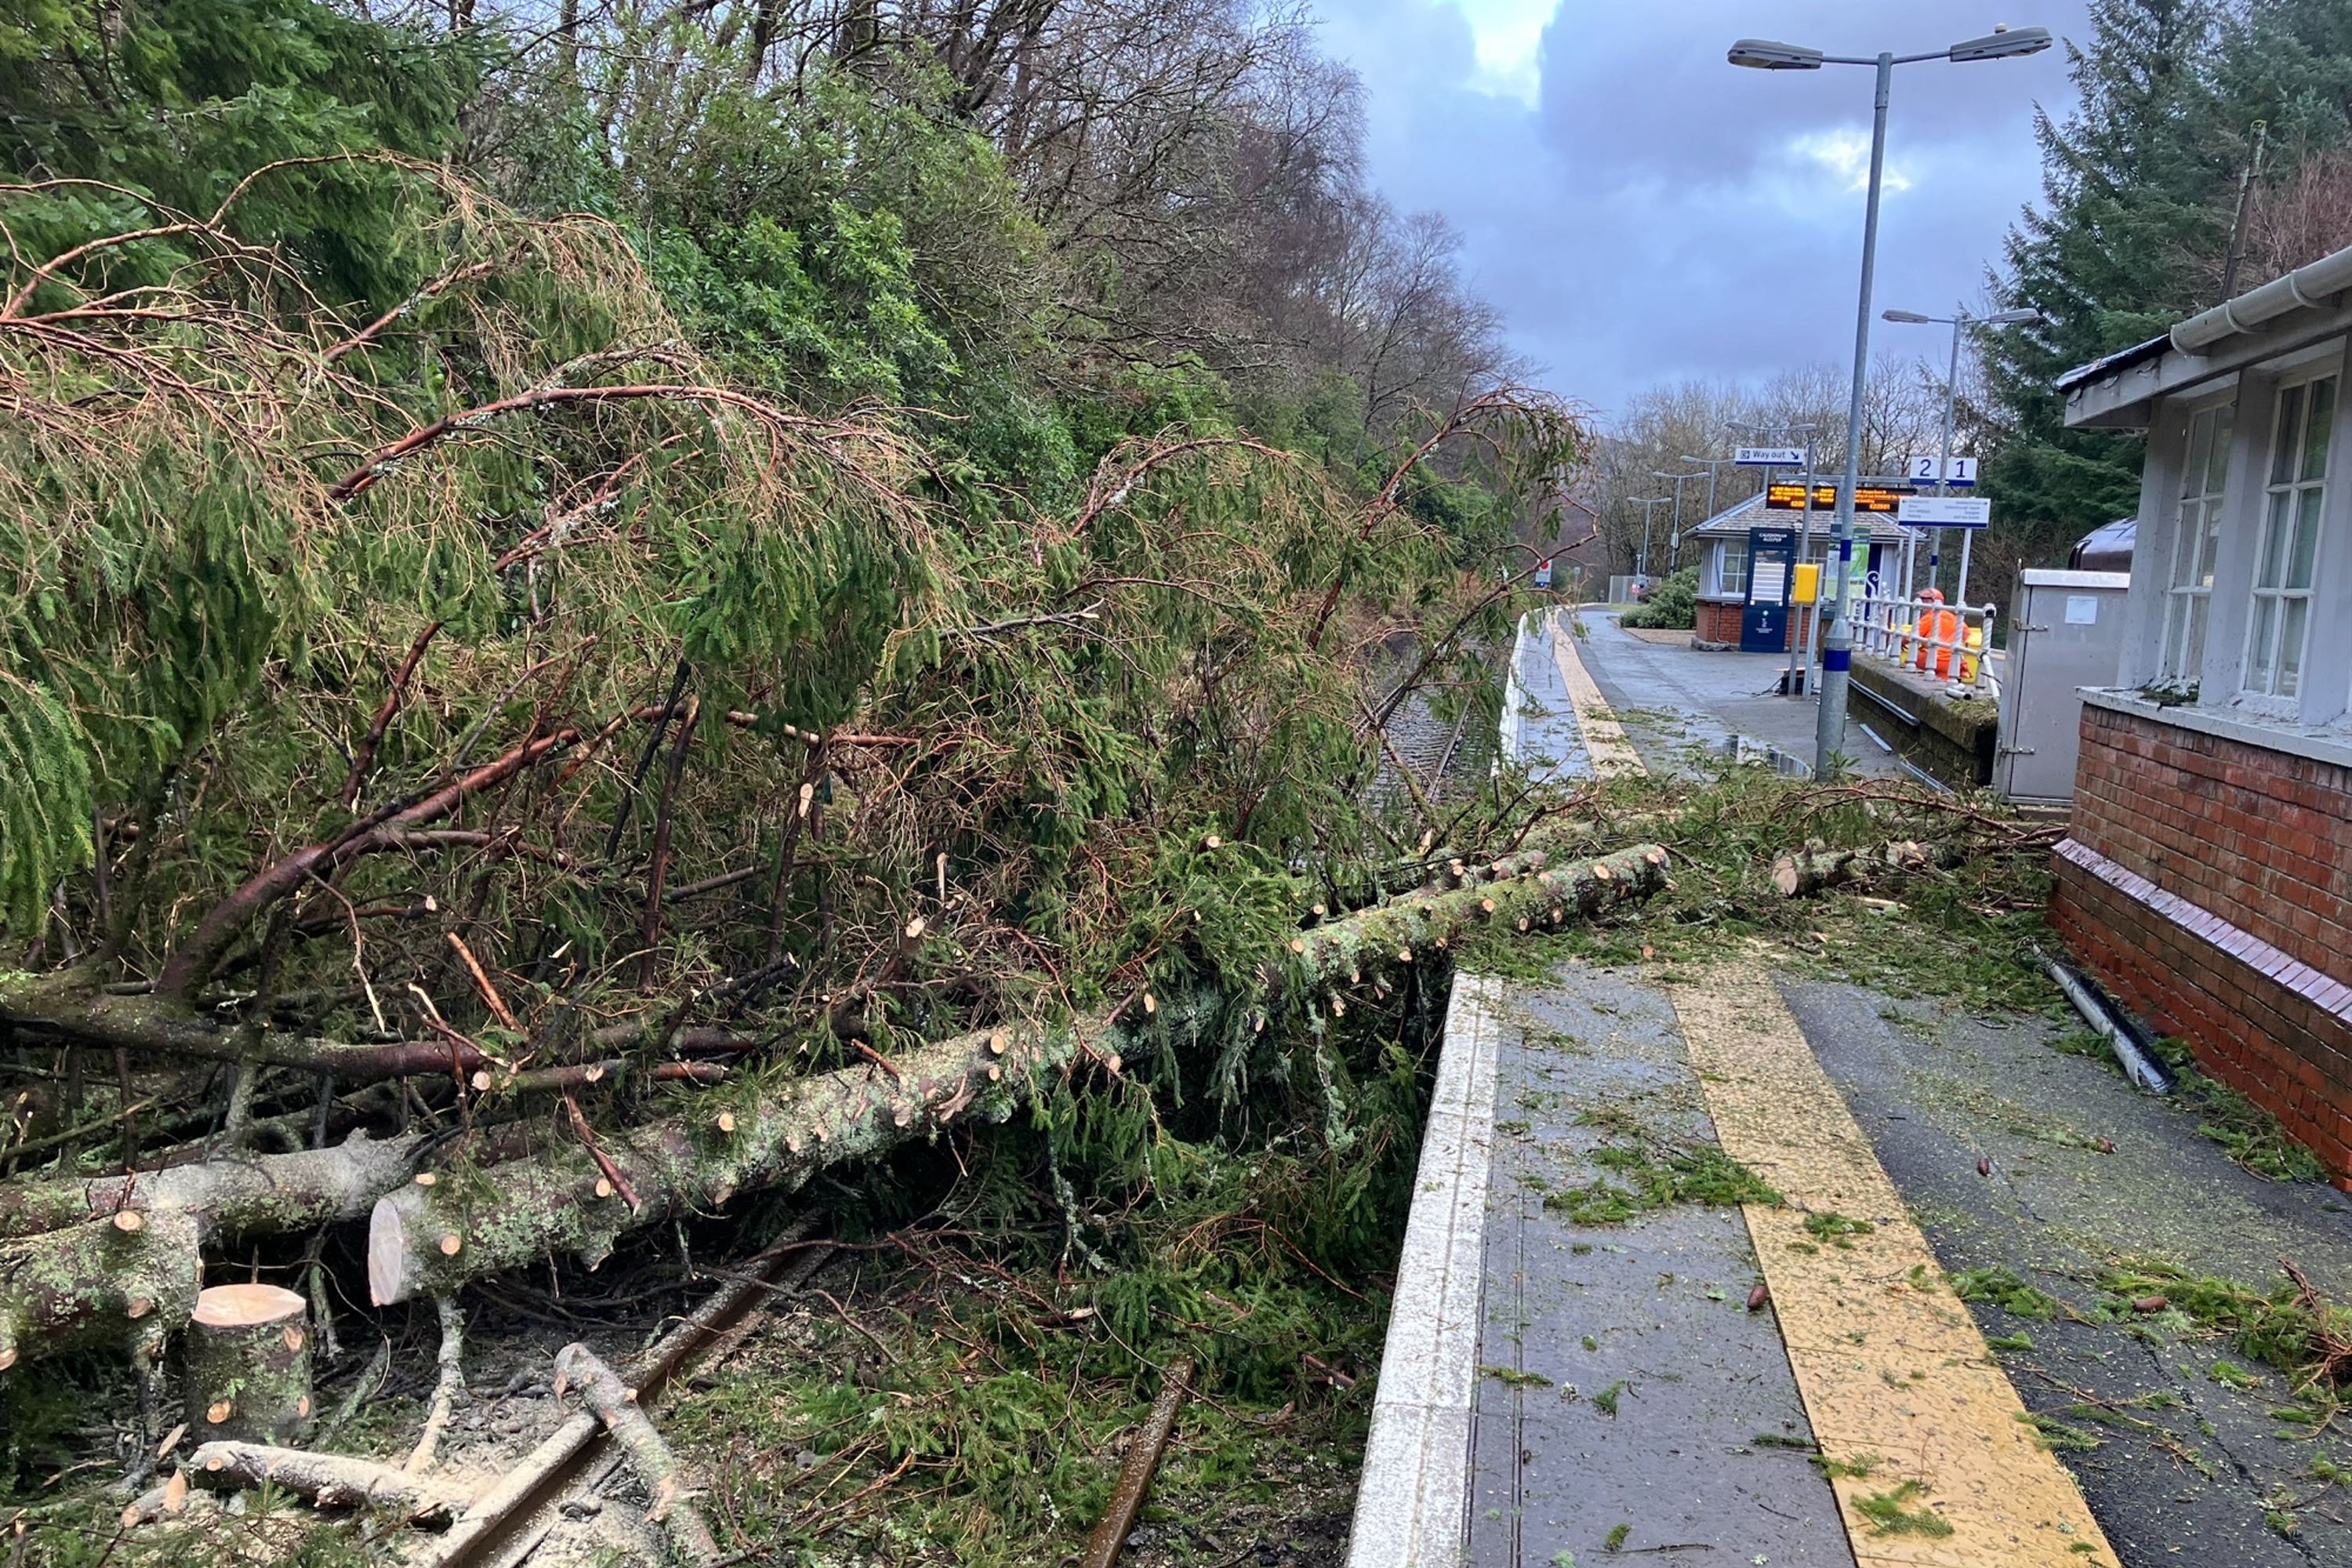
(1883, 500)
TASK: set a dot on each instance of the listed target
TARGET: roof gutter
(2306, 288)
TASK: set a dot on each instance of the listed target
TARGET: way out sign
(1769, 457)
(1943, 512)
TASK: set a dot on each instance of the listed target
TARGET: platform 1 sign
(1964, 472)
(1945, 512)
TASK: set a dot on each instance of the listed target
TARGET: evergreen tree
(2135, 185)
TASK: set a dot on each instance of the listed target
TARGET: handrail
(1927, 636)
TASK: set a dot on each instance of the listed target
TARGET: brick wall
(2262, 838)
(2208, 882)
(1719, 622)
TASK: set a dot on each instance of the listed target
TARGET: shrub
(1672, 604)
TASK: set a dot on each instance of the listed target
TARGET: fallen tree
(486, 1206)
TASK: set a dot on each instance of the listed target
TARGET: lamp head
(1764, 55)
(1908, 317)
(2002, 43)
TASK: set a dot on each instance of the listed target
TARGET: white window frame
(1726, 550)
(2287, 508)
(2196, 535)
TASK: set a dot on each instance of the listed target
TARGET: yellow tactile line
(1605, 737)
(1891, 1366)
(1894, 1373)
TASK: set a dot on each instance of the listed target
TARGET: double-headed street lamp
(1762, 54)
(1645, 503)
(1957, 322)
(1674, 543)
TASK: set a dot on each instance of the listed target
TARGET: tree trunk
(330, 1480)
(129, 1276)
(434, 1239)
(247, 1361)
(1799, 872)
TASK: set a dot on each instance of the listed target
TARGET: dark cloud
(1642, 211)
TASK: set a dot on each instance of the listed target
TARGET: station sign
(1945, 512)
(1963, 472)
(1882, 499)
(1769, 457)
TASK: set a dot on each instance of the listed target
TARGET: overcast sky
(1642, 211)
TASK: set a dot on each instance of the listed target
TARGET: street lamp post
(1641, 566)
(1712, 464)
(1762, 54)
(1958, 321)
(1674, 543)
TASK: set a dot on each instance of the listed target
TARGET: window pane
(2193, 659)
(2276, 528)
(2322, 421)
(2291, 620)
(2282, 435)
(2306, 540)
(2216, 476)
(2200, 453)
(2212, 543)
(2259, 643)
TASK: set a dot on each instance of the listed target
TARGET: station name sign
(1883, 500)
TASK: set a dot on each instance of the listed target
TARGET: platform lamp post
(1641, 566)
(1762, 54)
(1712, 464)
(1958, 321)
(1674, 543)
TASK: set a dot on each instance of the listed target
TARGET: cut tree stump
(126, 1277)
(248, 1363)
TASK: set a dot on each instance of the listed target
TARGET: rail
(1928, 637)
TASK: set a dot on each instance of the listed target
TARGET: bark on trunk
(434, 1239)
(330, 1480)
(130, 1276)
(246, 1361)
(666, 1482)
(1799, 872)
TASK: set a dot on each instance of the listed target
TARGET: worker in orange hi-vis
(1938, 630)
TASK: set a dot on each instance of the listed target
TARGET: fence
(1927, 636)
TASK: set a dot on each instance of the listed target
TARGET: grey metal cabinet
(2066, 632)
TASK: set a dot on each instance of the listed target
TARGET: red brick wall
(1719, 622)
(2262, 838)
(2209, 884)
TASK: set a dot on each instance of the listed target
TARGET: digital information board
(1881, 499)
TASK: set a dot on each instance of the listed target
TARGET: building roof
(2120, 391)
(1737, 519)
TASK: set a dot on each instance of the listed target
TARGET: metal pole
(1675, 540)
(1837, 644)
(1792, 684)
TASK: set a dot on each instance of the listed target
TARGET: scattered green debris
(1889, 1516)
(1615, 1540)
(1515, 1377)
(2232, 1375)
(1606, 1400)
(2290, 1328)
(2006, 1288)
(1860, 1467)
(1834, 1227)
(2020, 1340)
(2250, 1135)
(1780, 1440)
(1590, 1343)
(2059, 1435)
(1697, 1173)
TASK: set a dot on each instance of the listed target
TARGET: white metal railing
(1928, 637)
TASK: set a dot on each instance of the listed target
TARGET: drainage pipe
(2132, 1052)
